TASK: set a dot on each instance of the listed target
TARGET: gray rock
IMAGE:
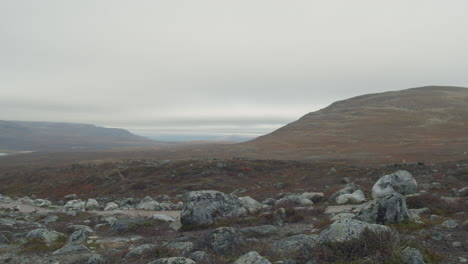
(96, 259)
(111, 206)
(450, 224)
(74, 205)
(42, 202)
(401, 182)
(356, 197)
(295, 199)
(167, 206)
(292, 245)
(71, 249)
(252, 258)
(164, 218)
(349, 189)
(313, 196)
(121, 225)
(463, 192)
(456, 244)
(269, 201)
(250, 204)
(412, 256)
(203, 207)
(176, 225)
(348, 229)
(88, 230)
(199, 256)
(182, 247)
(342, 216)
(139, 251)
(45, 235)
(148, 204)
(92, 204)
(259, 231)
(78, 237)
(176, 260)
(223, 240)
(437, 236)
(71, 197)
(4, 239)
(50, 219)
(385, 210)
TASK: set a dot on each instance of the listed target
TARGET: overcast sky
(242, 67)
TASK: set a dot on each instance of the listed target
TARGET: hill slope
(49, 136)
(426, 123)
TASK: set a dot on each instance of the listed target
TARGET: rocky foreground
(400, 222)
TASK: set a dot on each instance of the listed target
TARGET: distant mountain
(426, 123)
(50, 136)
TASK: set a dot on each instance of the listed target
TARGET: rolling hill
(50, 136)
(426, 123)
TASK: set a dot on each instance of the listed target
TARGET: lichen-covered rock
(203, 207)
(401, 182)
(252, 258)
(45, 235)
(223, 240)
(348, 229)
(182, 247)
(139, 251)
(385, 210)
(176, 260)
(293, 245)
(356, 197)
(96, 259)
(250, 204)
(71, 249)
(412, 256)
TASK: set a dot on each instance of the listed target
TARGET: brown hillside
(427, 123)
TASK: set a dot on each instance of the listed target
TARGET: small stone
(450, 224)
(456, 244)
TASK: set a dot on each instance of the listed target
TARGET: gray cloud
(155, 64)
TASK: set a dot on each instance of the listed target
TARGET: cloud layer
(233, 65)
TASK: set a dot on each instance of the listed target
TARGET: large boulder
(348, 229)
(385, 210)
(203, 207)
(176, 260)
(45, 235)
(401, 182)
(252, 258)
